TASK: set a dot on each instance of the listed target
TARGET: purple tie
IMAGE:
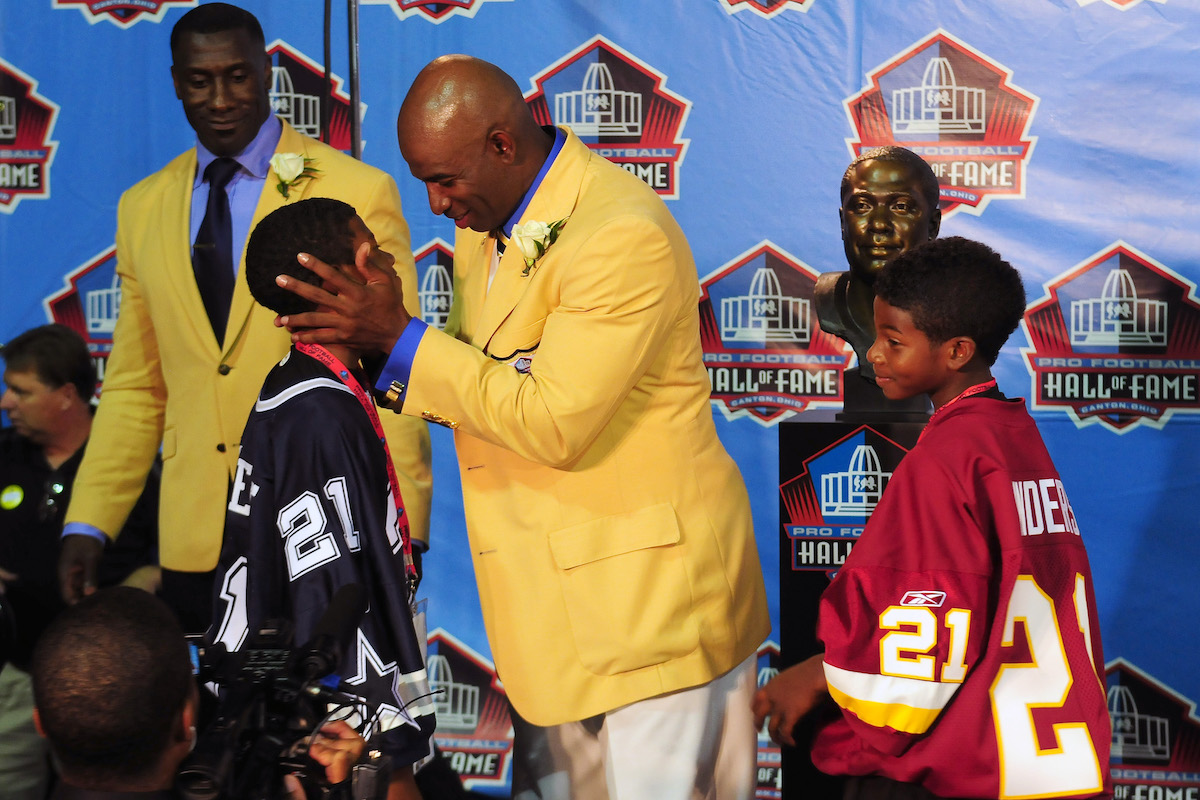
(212, 254)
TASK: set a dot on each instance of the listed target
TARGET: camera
(272, 698)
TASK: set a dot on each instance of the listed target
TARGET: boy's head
(326, 228)
(942, 312)
(956, 287)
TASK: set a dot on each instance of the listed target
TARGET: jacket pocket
(626, 590)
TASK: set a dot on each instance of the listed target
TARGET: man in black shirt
(49, 382)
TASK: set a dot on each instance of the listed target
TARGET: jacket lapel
(555, 199)
(174, 220)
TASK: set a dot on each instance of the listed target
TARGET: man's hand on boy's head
(789, 696)
(367, 315)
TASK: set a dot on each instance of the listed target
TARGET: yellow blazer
(610, 531)
(167, 381)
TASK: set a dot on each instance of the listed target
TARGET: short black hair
(111, 675)
(217, 18)
(956, 287)
(58, 355)
(930, 189)
(319, 226)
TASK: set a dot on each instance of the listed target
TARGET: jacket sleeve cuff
(392, 383)
(83, 529)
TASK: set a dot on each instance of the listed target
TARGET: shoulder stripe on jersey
(299, 389)
(903, 704)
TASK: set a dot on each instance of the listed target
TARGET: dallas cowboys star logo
(379, 679)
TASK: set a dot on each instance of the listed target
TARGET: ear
(186, 730)
(175, 83)
(842, 221)
(960, 351)
(502, 145)
(37, 723)
(935, 222)
(68, 394)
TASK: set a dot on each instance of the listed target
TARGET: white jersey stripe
(299, 389)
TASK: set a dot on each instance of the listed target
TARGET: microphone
(333, 634)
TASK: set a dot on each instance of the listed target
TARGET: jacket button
(221, 448)
(223, 369)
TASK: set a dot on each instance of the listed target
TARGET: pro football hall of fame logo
(474, 730)
(1116, 341)
(766, 354)
(435, 11)
(1155, 737)
(1119, 4)
(827, 502)
(298, 90)
(123, 13)
(765, 8)
(958, 110)
(26, 124)
(618, 106)
(88, 303)
(435, 274)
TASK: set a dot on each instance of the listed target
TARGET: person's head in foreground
(943, 310)
(113, 690)
(328, 229)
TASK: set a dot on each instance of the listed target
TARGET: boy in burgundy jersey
(961, 641)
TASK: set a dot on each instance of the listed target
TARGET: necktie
(212, 253)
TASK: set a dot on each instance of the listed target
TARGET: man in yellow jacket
(610, 531)
(180, 375)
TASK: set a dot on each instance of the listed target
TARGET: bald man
(611, 532)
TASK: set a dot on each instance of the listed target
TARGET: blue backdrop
(1063, 132)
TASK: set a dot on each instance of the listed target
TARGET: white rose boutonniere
(534, 238)
(291, 168)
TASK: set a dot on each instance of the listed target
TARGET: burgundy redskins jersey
(961, 638)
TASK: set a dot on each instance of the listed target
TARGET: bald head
(466, 132)
(461, 90)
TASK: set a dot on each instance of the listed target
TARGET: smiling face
(883, 214)
(222, 79)
(906, 362)
(467, 174)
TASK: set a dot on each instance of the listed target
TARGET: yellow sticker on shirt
(11, 497)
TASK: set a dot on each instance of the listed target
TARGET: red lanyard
(968, 392)
(347, 378)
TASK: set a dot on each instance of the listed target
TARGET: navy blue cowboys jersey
(311, 509)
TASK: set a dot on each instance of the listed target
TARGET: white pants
(696, 744)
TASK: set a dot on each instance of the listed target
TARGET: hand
(789, 696)
(367, 314)
(78, 562)
(337, 747)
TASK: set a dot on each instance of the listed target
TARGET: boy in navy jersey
(962, 648)
(314, 504)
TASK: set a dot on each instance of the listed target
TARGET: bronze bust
(889, 204)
